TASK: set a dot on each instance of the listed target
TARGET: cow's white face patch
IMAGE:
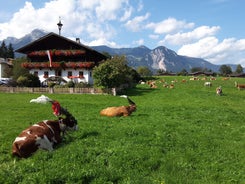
(19, 139)
(44, 143)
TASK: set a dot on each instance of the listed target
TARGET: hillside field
(184, 135)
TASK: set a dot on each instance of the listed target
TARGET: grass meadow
(185, 135)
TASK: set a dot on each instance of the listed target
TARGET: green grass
(183, 135)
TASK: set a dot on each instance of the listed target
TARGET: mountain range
(160, 58)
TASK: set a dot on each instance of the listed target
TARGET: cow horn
(129, 100)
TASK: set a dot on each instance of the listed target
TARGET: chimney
(78, 40)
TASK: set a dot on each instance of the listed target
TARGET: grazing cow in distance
(219, 91)
(43, 135)
(239, 86)
(208, 84)
(152, 84)
(121, 110)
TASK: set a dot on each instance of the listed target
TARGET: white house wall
(87, 74)
(1, 71)
(3, 66)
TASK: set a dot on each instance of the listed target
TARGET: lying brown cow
(119, 111)
(42, 135)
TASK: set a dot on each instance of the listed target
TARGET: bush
(82, 85)
(28, 80)
(51, 84)
(70, 84)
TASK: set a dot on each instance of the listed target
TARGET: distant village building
(54, 56)
(202, 73)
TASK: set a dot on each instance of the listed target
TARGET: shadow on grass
(89, 134)
(68, 138)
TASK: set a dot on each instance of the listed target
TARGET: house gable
(54, 41)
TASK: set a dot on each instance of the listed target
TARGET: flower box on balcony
(43, 53)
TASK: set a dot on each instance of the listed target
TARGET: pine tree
(10, 51)
(6, 52)
(3, 50)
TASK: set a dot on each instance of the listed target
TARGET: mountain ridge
(159, 58)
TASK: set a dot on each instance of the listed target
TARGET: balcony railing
(62, 65)
(44, 53)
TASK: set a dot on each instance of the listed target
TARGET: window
(36, 73)
(45, 74)
(69, 74)
(58, 73)
(81, 75)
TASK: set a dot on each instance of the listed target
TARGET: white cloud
(209, 48)
(136, 23)
(140, 6)
(108, 9)
(79, 17)
(127, 14)
(29, 18)
(88, 4)
(169, 25)
(101, 41)
(188, 37)
(139, 42)
(153, 36)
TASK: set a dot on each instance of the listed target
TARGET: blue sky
(212, 29)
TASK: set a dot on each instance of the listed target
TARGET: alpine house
(54, 56)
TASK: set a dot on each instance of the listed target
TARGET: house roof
(6, 61)
(54, 41)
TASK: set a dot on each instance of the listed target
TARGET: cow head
(69, 122)
(132, 108)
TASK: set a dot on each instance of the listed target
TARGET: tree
(225, 70)
(18, 70)
(196, 69)
(6, 52)
(239, 69)
(107, 55)
(3, 50)
(144, 71)
(114, 72)
(10, 51)
(183, 72)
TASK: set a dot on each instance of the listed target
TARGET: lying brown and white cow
(43, 135)
(119, 111)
